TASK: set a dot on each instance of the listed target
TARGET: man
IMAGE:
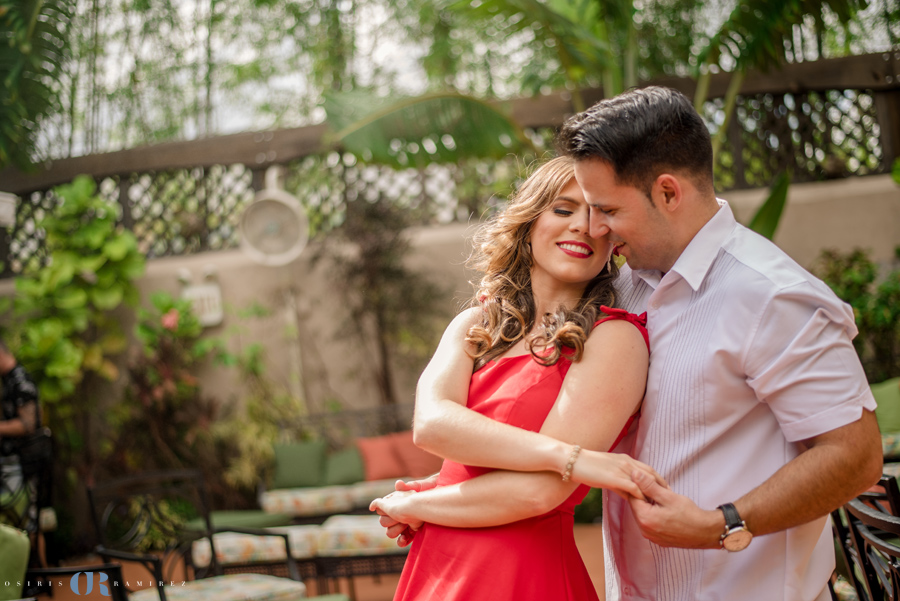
(19, 417)
(755, 395)
(756, 412)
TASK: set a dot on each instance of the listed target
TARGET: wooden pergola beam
(877, 72)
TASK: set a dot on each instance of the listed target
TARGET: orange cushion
(418, 462)
(380, 458)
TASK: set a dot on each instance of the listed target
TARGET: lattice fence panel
(188, 211)
(27, 251)
(817, 135)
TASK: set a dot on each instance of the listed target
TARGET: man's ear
(667, 192)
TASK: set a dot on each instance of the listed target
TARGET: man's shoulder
(767, 268)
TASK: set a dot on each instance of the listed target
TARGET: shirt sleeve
(23, 389)
(802, 363)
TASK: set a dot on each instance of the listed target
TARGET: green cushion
(887, 395)
(344, 467)
(14, 548)
(249, 518)
(299, 464)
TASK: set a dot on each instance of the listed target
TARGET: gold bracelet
(570, 465)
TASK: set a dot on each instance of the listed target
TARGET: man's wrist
(714, 528)
(735, 536)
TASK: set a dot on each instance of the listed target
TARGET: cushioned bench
(309, 483)
(344, 546)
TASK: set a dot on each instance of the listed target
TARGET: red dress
(532, 559)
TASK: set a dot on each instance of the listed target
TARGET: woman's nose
(581, 223)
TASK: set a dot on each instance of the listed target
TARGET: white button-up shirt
(750, 354)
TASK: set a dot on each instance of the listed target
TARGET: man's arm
(24, 424)
(836, 467)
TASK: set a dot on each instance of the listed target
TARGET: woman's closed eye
(563, 212)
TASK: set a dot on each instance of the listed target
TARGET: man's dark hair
(641, 134)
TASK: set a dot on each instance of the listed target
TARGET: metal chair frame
(865, 527)
(126, 510)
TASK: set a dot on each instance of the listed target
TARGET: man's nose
(598, 227)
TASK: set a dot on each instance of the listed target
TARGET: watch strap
(732, 517)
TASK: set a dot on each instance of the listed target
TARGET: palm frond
(33, 45)
(755, 32)
(434, 128)
(563, 23)
(768, 216)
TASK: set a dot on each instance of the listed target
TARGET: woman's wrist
(570, 463)
(560, 454)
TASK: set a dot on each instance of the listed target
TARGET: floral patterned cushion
(304, 502)
(844, 590)
(363, 493)
(891, 469)
(237, 548)
(890, 444)
(236, 587)
(343, 535)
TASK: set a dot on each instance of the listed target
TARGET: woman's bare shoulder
(616, 335)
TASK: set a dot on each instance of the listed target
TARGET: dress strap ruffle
(639, 321)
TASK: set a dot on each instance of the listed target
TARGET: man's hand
(672, 520)
(399, 525)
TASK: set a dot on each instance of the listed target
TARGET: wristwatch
(736, 536)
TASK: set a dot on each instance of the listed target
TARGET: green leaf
(94, 234)
(91, 263)
(79, 317)
(64, 361)
(117, 248)
(766, 220)
(895, 171)
(107, 299)
(70, 298)
(434, 128)
(132, 266)
(29, 287)
(60, 272)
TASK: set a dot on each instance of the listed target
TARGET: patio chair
(872, 546)
(25, 488)
(144, 519)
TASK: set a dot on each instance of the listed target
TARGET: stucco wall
(310, 352)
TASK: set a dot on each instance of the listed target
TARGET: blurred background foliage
(87, 76)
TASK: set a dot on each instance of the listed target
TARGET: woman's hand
(612, 471)
(394, 511)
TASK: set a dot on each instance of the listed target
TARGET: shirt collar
(695, 260)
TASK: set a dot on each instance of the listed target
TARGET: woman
(534, 354)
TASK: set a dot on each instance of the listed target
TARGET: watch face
(737, 540)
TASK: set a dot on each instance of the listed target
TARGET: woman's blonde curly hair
(501, 252)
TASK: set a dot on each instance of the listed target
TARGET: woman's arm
(444, 426)
(597, 397)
